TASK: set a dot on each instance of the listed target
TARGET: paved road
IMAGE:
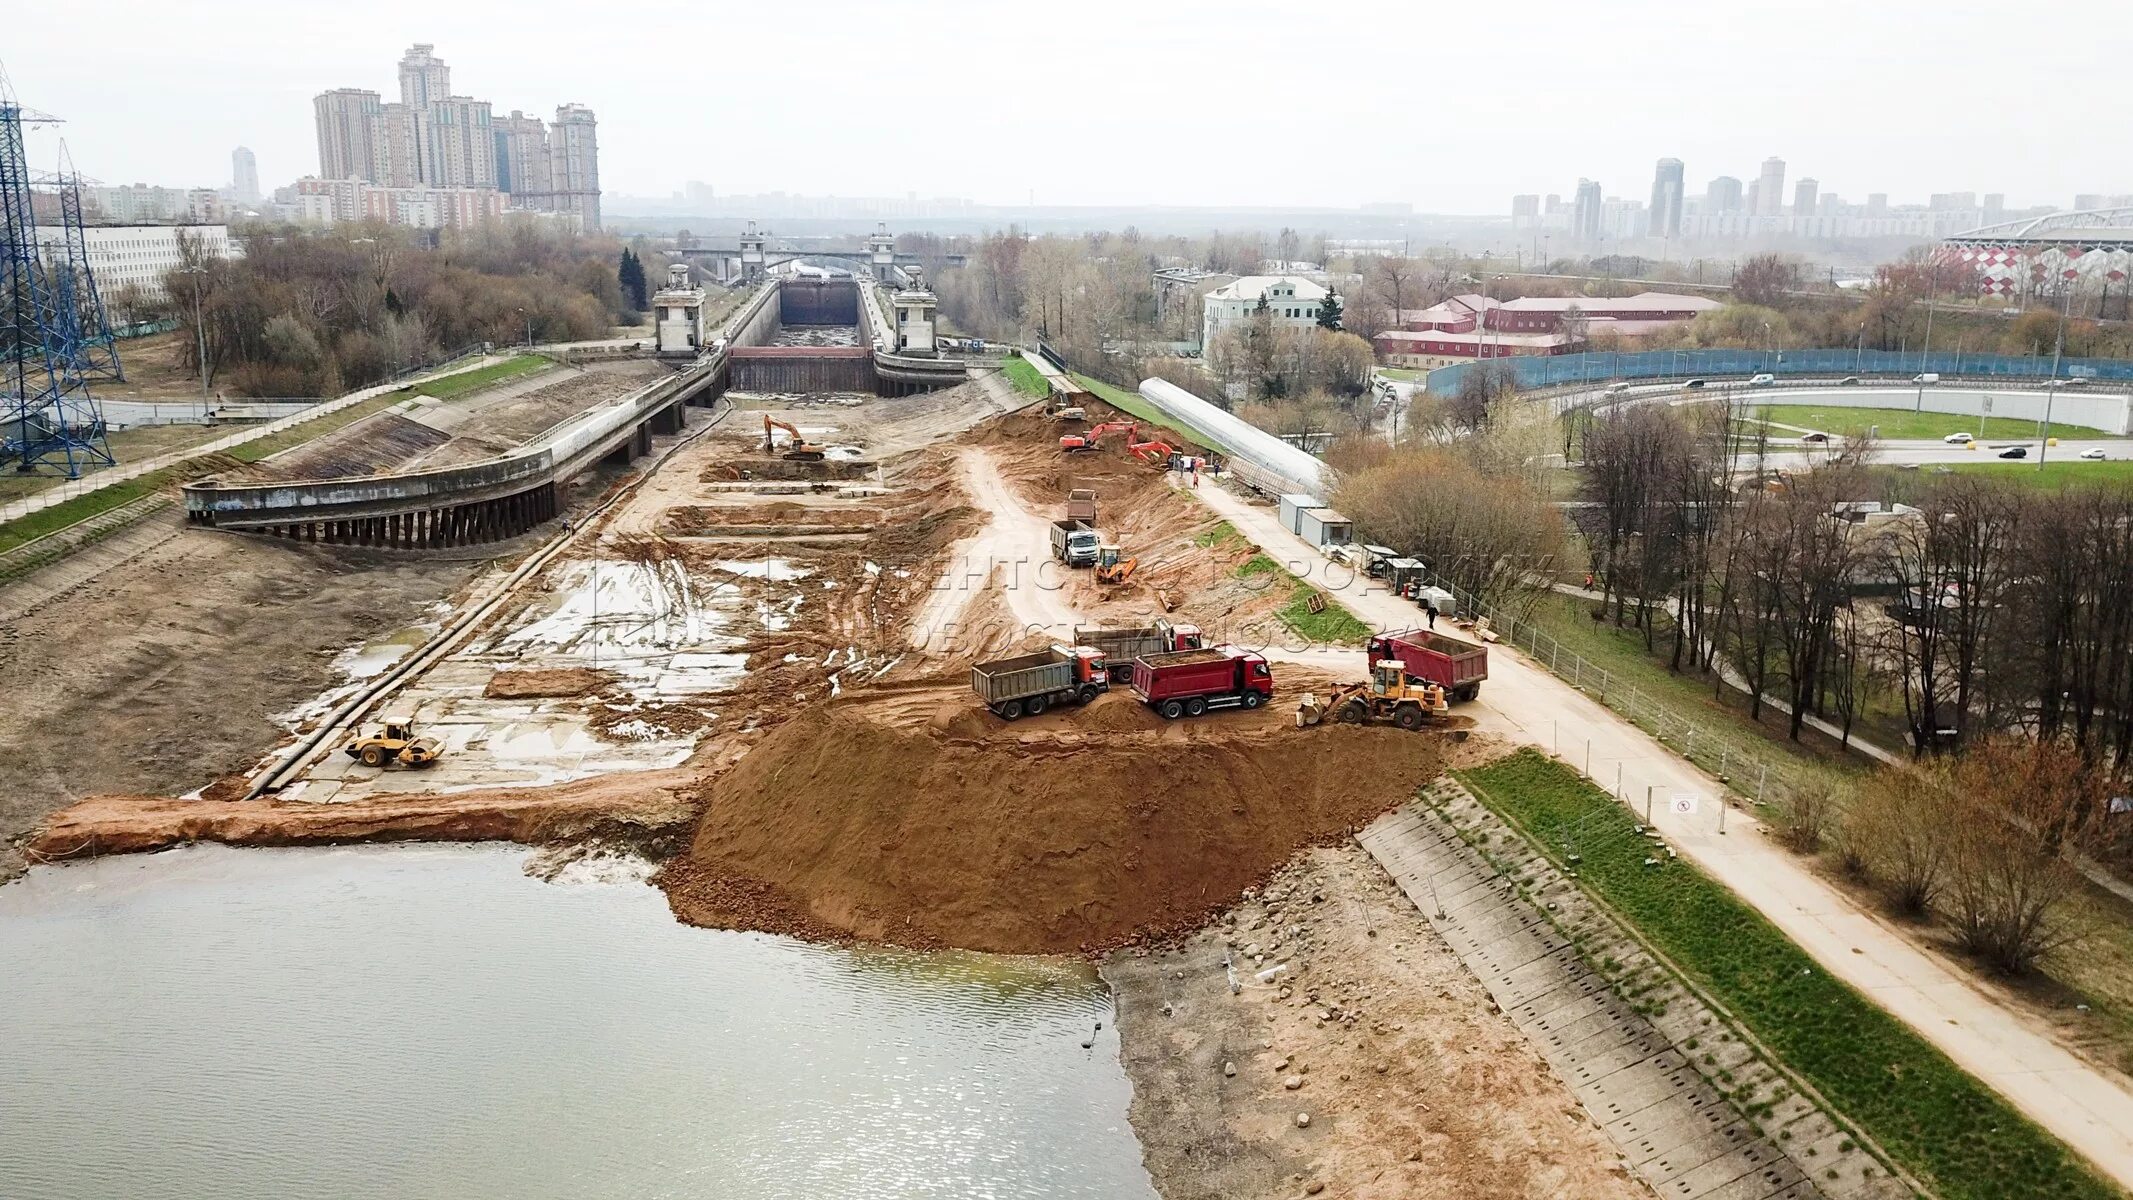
(2007, 1049)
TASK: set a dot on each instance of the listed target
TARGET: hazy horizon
(1450, 110)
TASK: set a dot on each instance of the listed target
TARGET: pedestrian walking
(1432, 610)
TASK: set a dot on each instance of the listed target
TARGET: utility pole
(199, 331)
(2051, 386)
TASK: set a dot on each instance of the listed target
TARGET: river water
(431, 1022)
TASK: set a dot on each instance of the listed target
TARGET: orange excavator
(1094, 435)
(1154, 453)
(1111, 565)
(797, 448)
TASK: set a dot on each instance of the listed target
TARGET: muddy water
(429, 1022)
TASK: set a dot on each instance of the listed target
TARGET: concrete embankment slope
(2003, 1047)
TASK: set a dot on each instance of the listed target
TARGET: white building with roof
(139, 256)
(1291, 302)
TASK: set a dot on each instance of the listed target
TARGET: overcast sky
(1451, 107)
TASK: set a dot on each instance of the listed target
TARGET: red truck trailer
(1454, 665)
(1186, 683)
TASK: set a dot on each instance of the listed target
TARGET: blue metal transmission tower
(48, 419)
(80, 301)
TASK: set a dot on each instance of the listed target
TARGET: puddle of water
(430, 1022)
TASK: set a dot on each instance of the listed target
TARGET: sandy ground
(168, 672)
(1414, 1086)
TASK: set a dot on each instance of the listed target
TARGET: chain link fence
(1727, 754)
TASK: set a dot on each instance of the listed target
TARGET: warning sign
(1682, 806)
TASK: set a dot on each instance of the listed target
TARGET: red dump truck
(1456, 666)
(1186, 683)
(1030, 683)
(1122, 646)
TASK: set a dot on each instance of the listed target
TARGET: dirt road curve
(2003, 1047)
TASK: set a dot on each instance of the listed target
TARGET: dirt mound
(545, 683)
(1020, 842)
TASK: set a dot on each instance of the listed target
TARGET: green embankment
(90, 504)
(1942, 1125)
(1027, 379)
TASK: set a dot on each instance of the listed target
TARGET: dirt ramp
(1022, 843)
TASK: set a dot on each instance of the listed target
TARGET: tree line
(318, 312)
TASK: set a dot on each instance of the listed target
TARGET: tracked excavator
(798, 448)
(1093, 436)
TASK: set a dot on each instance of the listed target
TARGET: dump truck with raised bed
(1027, 684)
(1122, 646)
(1454, 665)
(1187, 683)
(1074, 543)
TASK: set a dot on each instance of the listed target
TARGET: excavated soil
(544, 683)
(641, 802)
(917, 819)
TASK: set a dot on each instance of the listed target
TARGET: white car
(1763, 379)
(1958, 439)
(2094, 454)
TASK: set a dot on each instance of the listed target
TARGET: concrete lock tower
(914, 307)
(882, 246)
(752, 253)
(679, 309)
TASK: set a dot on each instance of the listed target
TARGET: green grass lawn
(1332, 624)
(1027, 379)
(1119, 398)
(1941, 1124)
(1902, 424)
(451, 387)
(1403, 374)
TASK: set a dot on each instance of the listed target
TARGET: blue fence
(1536, 372)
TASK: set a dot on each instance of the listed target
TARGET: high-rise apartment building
(1723, 196)
(244, 176)
(459, 145)
(574, 156)
(432, 139)
(1525, 212)
(347, 134)
(522, 161)
(1586, 217)
(1803, 197)
(1666, 199)
(1770, 188)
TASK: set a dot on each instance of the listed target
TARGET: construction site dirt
(759, 672)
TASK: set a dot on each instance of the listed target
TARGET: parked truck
(1454, 665)
(1027, 684)
(1122, 646)
(1186, 683)
(1081, 505)
(1074, 543)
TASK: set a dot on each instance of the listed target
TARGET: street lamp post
(1925, 355)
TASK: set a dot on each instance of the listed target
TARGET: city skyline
(246, 85)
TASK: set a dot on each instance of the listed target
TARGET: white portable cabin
(1323, 527)
(1293, 504)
